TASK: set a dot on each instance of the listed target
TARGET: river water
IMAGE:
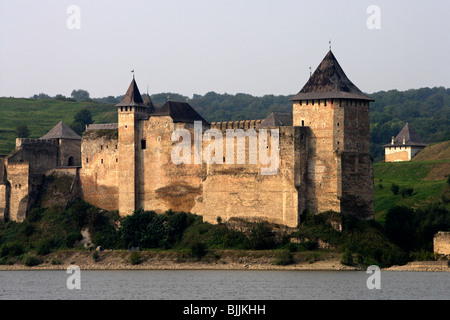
(222, 285)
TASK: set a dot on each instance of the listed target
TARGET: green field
(42, 115)
(427, 178)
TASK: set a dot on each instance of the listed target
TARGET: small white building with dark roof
(404, 146)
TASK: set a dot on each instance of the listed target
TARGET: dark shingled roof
(329, 81)
(411, 138)
(61, 131)
(277, 119)
(179, 112)
(149, 103)
(132, 97)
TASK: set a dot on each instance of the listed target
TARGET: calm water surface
(225, 285)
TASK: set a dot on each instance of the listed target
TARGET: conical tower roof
(149, 103)
(132, 96)
(329, 81)
(61, 131)
(407, 137)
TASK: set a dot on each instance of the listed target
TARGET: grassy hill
(42, 115)
(426, 175)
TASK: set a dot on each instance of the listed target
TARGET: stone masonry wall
(340, 175)
(225, 190)
(4, 201)
(393, 154)
(162, 184)
(18, 178)
(240, 190)
(356, 163)
(323, 190)
(42, 155)
(441, 242)
(99, 175)
(70, 151)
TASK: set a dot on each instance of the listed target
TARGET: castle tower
(130, 111)
(69, 144)
(340, 173)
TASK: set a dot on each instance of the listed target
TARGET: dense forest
(427, 110)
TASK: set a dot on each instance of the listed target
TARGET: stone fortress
(323, 153)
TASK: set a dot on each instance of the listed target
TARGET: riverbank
(172, 260)
(215, 260)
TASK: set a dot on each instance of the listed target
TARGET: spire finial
(329, 42)
(310, 72)
(132, 71)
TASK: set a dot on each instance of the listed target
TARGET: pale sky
(196, 46)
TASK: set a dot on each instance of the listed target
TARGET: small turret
(132, 101)
(149, 104)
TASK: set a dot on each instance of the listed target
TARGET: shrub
(198, 250)
(283, 258)
(395, 188)
(347, 258)
(224, 237)
(407, 192)
(28, 229)
(11, 249)
(35, 214)
(7, 261)
(78, 211)
(366, 241)
(44, 247)
(95, 256)
(135, 258)
(261, 237)
(72, 238)
(31, 260)
(292, 247)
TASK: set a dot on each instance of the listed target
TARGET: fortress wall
(212, 190)
(162, 184)
(70, 148)
(4, 191)
(242, 124)
(397, 154)
(4, 201)
(322, 178)
(42, 155)
(18, 178)
(240, 190)
(99, 176)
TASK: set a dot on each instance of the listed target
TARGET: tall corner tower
(130, 110)
(340, 172)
